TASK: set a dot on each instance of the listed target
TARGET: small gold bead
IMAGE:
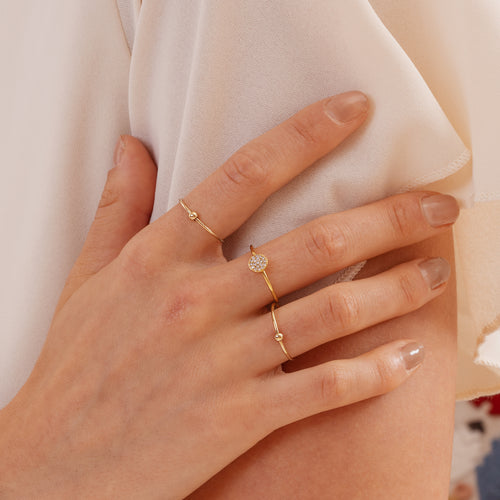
(278, 337)
(193, 215)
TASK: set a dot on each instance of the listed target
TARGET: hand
(160, 366)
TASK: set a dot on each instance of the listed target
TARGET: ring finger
(342, 309)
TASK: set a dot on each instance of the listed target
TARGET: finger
(124, 209)
(333, 242)
(342, 309)
(234, 191)
(289, 397)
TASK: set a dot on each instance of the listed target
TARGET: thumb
(124, 209)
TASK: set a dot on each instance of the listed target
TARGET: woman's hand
(160, 366)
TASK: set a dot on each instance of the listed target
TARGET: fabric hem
(490, 328)
(453, 167)
(473, 394)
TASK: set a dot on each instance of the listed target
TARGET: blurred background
(475, 473)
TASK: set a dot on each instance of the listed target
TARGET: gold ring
(278, 336)
(258, 263)
(194, 217)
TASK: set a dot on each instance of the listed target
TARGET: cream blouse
(197, 79)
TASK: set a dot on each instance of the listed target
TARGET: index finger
(229, 196)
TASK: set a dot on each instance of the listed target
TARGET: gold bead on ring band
(278, 336)
(194, 217)
(258, 263)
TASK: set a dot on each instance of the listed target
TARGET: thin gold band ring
(278, 336)
(258, 263)
(194, 217)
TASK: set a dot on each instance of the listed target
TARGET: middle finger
(333, 242)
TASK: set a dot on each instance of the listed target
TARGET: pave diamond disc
(257, 263)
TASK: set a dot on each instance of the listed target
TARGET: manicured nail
(440, 209)
(413, 354)
(345, 108)
(435, 271)
(119, 149)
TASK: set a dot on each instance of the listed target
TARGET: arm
(394, 446)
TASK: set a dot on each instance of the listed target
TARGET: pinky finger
(300, 394)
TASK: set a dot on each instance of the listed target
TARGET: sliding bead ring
(278, 336)
(194, 217)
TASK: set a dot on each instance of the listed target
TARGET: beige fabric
(455, 44)
(205, 77)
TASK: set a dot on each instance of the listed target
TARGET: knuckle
(188, 309)
(341, 310)
(247, 168)
(178, 307)
(326, 242)
(383, 374)
(305, 131)
(111, 193)
(402, 217)
(333, 386)
(409, 290)
(138, 260)
(186, 303)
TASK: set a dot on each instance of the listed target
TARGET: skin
(394, 446)
(159, 367)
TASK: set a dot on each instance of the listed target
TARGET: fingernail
(435, 271)
(346, 107)
(440, 209)
(119, 149)
(413, 354)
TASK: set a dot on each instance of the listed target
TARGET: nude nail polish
(119, 149)
(440, 209)
(347, 107)
(435, 271)
(413, 354)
